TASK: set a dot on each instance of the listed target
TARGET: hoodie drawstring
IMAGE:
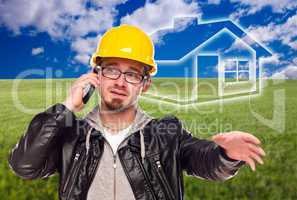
(142, 147)
(88, 140)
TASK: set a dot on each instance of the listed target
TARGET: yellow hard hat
(126, 41)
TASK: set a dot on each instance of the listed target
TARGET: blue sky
(56, 39)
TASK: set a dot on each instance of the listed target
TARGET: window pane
(243, 65)
(243, 76)
(230, 76)
(230, 65)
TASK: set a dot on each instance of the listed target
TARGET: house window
(236, 70)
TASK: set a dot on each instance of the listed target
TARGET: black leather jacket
(55, 142)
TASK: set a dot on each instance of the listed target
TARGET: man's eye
(111, 70)
(132, 74)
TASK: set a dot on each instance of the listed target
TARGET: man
(118, 151)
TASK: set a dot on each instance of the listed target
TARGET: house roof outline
(221, 24)
(209, 53)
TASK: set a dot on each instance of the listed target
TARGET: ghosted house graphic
(202, 62)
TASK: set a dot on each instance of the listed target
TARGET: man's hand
(74, 100)
(241, 146)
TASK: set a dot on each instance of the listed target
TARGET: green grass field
(276, 179)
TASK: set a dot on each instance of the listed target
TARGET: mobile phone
(89, 89)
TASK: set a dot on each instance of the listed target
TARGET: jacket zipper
(163, 180)
(76, 157)
(78, 160)
(146, 177)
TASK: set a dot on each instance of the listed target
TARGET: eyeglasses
(114, 73)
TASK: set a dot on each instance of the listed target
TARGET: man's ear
(146, 85)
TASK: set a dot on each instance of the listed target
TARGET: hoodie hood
(141, 119)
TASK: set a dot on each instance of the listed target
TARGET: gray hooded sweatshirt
(110, 181)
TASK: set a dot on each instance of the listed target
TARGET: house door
(207, 74)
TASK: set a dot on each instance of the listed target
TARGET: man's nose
(121, 81)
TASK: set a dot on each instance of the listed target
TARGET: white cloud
(178, 25)
(214, 1)
(237, 45)
(82, 58)
(93, 21)
(160, 14)
(108, 3)
(264, 33)
(240, 12)
(38, 50)
(248, 7)
(61, 19)
(50, 17)
(278, 6)
(272, 60)
(295, 61)
(85, 45)
(289, 72)
(84, 48)
(286, 32)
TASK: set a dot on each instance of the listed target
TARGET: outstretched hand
(241, 146)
